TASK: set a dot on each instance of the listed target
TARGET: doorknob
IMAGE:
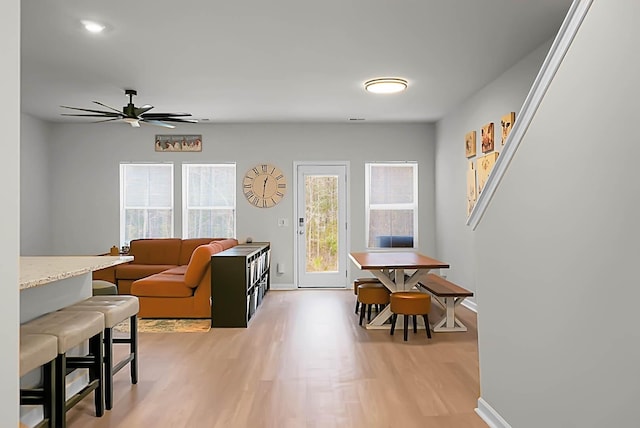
(301, 232)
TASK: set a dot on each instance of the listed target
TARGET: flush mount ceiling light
(385, 85)
(93, 27)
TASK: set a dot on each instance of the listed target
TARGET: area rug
(150, 325)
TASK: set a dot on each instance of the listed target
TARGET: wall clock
(264, 185)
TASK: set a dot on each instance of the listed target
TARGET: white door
(321, 224)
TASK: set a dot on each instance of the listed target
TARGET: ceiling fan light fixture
(386, 85)
(132, 121)
(93, 27)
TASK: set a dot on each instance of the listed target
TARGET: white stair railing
(559, 48)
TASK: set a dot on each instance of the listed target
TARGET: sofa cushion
(161, 285)
(164, 251)
(179, 270)
(226, 243)
(188, 247)
(133, 271)
(199, 263)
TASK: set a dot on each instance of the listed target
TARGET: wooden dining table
(391, 269)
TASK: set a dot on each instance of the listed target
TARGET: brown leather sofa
(183, 291)
(170, 276)
(155, 255)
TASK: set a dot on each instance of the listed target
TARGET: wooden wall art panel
(487, 138)
(507, 123)
(470, 144)
(471, 188)
(485, 165)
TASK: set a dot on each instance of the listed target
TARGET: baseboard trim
(473, 306)
(283, 287)
(490, 416)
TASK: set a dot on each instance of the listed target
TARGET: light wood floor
(303, 362)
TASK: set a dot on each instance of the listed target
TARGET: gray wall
(455, 240)
(10, 196)
(84, 161)
(35, 204)
(558, 247)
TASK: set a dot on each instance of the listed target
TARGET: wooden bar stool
(73, 328)
(369, 294)
(39, 350)
(116, 309)
(410, 303)
(360, 281)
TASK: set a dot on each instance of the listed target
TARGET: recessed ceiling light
(93, 27)
(385, 85)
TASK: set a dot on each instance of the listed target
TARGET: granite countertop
(36, 271)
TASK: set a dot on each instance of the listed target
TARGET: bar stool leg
(49, 392)
(406, 327)
(60, 388)
(362, 310)
(427, 325)
(394, 318)
(133, 328)
(357, 305)
(415, 324)
(369, 312)
(108, 368)
(96, 372)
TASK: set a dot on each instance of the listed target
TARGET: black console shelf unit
(239, 281)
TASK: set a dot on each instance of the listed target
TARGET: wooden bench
(449, 296)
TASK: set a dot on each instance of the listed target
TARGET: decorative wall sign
(178, 143)
(471, 188)
(507, 123)
(485, 165)
(470, 144)
(487, 137)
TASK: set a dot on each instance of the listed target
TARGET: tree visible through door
(321, 211)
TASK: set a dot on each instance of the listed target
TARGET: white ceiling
(274, 61)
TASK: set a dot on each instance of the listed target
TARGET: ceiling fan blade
(157, 123)
(107, 120)
(106, 113)
(109, 107)
(145, 108)
(163, 115)
(175, 119)
(93, 115)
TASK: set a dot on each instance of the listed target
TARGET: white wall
(558, 247)
(35, 205)
(505, 94)
(10, 197)
(84, 161)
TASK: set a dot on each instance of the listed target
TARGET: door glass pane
(321, 206)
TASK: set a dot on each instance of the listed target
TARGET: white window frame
(413, 206)
(123, 166)
(185, 196)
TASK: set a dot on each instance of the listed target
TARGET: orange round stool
(369, 294)
(410, 303)
(360, 281)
